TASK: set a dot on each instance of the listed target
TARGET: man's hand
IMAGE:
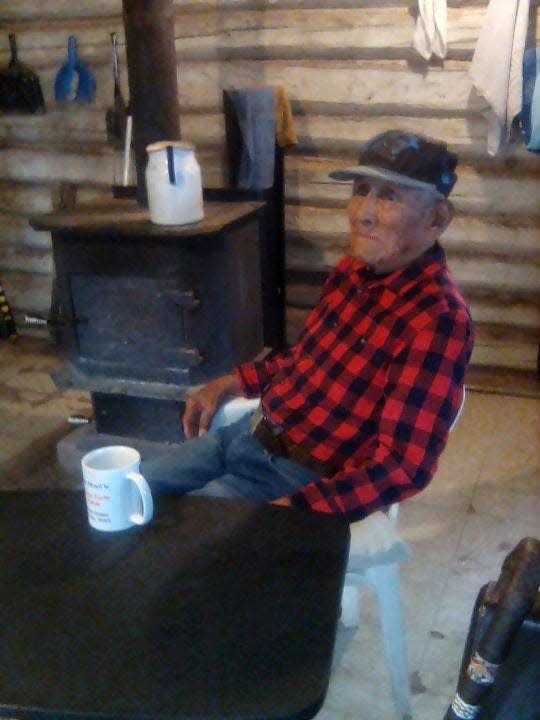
(203, 403)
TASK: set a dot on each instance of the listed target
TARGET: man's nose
(367, 210)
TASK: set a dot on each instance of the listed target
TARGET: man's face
(389, 225)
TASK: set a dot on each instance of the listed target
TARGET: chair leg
(385, 582)
(350, 606)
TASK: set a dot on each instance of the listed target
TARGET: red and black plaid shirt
(373, 383)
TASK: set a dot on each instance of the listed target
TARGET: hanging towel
(496, 68)
(430, 32)
(285, 130)
(255, 118)
(530, 112)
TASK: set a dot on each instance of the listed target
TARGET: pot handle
(170, 164)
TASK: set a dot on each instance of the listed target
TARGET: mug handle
(146, 497)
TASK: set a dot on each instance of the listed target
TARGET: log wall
(350, 71)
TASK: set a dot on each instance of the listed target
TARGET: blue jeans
(227, 463)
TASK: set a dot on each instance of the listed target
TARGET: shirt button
(362, 341)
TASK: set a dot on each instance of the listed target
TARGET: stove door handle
(54, 320)
(185, 299)
(188, 357)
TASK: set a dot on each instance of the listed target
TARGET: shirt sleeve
(423, 392)
(256, 375)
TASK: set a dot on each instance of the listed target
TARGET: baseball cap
(405, 159)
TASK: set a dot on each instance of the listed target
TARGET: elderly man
(355, 414)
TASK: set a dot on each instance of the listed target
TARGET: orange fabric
(285, 130)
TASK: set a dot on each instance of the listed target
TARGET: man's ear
(442, 214)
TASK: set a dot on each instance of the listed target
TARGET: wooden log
(227, 33)
(205, 5)
(307, 183)
(19, 234)
(467, 239)
(353, 84)
(323, 227)
(504, 347)
(86, 125)
(488, 273)
(35, 162)
(327, 131)
(20, 199)
(324, 135)
(65, 9)
(59, 125)
(29, 292)
(32, 163)
(26, 259)
(480, 267)
(513, 313)
(343, 33)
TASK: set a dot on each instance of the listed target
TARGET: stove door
(135, 326)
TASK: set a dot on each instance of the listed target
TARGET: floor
(483, 500)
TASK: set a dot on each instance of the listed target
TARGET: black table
(217, 609)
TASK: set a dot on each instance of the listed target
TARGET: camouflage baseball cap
(405, 159)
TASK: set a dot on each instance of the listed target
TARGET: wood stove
(146, 312)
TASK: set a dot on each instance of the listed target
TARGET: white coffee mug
(115, 489)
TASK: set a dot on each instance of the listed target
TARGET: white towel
(496, 69)
(430, 32)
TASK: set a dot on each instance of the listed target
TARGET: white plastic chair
(375, 554)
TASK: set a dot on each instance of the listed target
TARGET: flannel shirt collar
(429, 263)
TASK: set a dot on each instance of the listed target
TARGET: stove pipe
(153, 91)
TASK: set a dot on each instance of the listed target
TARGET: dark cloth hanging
(252, 111)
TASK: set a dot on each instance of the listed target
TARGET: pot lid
(162, 144)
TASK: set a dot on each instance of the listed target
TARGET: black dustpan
(20, 90)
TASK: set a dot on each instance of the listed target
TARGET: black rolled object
(500, 671)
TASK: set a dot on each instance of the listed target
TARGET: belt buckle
(256, 419)
(259, 420)
(263, 431)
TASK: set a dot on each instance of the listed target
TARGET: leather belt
(276, 442)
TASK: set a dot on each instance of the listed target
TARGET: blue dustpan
(74, 81)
